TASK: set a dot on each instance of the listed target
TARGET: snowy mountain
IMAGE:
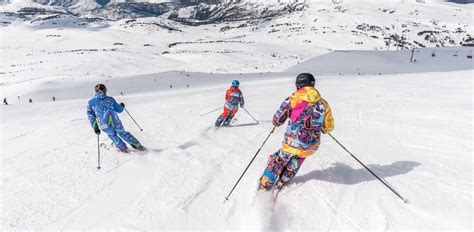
(200, 10)
(248, 36)
(403, 18)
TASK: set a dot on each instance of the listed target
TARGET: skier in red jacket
(233, 98)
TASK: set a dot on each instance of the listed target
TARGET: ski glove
(122, 104)
(97, 130)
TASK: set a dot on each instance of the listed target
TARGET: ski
(103, 145)
(275, 192)
(141, 151)
(231, 124)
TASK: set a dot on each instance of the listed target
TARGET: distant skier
(31, 100)
(309, 115)
(233, 98)
(102, 113)
(5, 101)
(54, 98)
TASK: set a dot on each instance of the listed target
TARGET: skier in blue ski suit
(102, 113)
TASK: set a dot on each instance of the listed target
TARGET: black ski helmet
(100, 87)
(304, 79)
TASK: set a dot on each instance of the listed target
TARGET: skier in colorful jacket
(309, 115)
(233, 97)
(102, 113)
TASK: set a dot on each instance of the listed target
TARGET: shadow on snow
(341, 173)
(246, 124)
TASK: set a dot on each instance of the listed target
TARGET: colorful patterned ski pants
(281, 166)
(226, 117)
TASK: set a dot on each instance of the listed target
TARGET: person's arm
(328, 123)
(92, 118)
(117, 107)
(241, 99)
(282, 113)
(227, 95)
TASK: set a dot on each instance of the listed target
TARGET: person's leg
(229, 117)
(276, 162)
(222, 117)
(291, 169)
(127, 136)
(115, 138)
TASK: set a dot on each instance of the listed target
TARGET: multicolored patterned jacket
(309, 116)
(233, 97)
(102, 111)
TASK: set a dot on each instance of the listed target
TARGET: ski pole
(251, 161)
(383, 182)
(133, 119)
(210, 112)
(98, 152)
(250, 115)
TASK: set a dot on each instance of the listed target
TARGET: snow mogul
(309, 115)
(102, 113)
(233, 97)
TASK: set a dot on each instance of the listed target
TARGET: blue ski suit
(102, 113)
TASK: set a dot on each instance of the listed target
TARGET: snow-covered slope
(388, 62)
(332, 65)
(412, 124)
(414, 130)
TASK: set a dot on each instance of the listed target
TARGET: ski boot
(125, 150)
(278, 186)
(265, 183)
(138, 147)
(228, 120)
(219, 121)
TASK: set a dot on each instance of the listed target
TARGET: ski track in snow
(334, 210)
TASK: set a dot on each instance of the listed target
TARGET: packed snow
(414, 130)
(408, 121)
